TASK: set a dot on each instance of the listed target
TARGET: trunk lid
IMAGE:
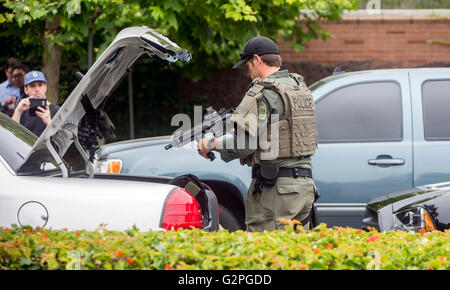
(57, 146)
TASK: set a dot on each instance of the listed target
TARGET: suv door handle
(386, 160)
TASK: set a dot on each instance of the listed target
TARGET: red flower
(27, 231)
(330, 246)
(316, 251)
(119, 253)
(373, 238)
(130, 261)
(77, 232)
(168, 267)
(44, 236)
(6, 229)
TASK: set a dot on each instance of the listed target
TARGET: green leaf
(157, 13)
(38, 13)
(174, 5)
(171, 18)
(24, 261)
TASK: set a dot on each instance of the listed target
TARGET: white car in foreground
(50, 181)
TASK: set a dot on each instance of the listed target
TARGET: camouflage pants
(289, 198)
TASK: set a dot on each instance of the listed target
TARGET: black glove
(87, 134)
(105, 127)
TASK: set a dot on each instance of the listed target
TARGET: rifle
(214, 124)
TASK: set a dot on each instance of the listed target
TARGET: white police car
(50, 181)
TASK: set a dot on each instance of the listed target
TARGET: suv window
(436, 110)
(363, 112)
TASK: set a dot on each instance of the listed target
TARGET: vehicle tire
(227, 220)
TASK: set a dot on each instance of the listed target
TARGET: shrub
(321, 248)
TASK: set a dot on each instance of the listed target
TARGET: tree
(57, 25)
(213, 30)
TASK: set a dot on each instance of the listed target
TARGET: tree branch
(37, 31)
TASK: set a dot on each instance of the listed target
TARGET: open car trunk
(59, 150)
(59, 145)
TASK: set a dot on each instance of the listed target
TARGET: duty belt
(287, 172)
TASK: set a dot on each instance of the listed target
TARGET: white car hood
(97, 84)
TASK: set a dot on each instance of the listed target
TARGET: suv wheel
(227, 220)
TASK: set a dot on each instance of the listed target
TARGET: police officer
(277, 112)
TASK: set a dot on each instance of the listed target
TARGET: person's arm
(227, 147)
(204, 146)
(21, 107)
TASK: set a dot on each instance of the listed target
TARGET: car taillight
(181, 210)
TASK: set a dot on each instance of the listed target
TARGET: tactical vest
(297, 136)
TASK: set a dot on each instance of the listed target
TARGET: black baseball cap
(259, 45)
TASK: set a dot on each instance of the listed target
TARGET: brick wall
(385, 41)
(393, 39)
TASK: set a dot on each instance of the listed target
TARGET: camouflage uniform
(289, 197)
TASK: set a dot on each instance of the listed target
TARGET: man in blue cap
(35, 88)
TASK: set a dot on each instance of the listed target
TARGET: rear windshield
(15, 141)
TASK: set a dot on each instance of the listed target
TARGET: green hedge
(322, 248)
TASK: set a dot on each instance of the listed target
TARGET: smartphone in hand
(34, 104)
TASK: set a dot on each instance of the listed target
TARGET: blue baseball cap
(34, 76)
